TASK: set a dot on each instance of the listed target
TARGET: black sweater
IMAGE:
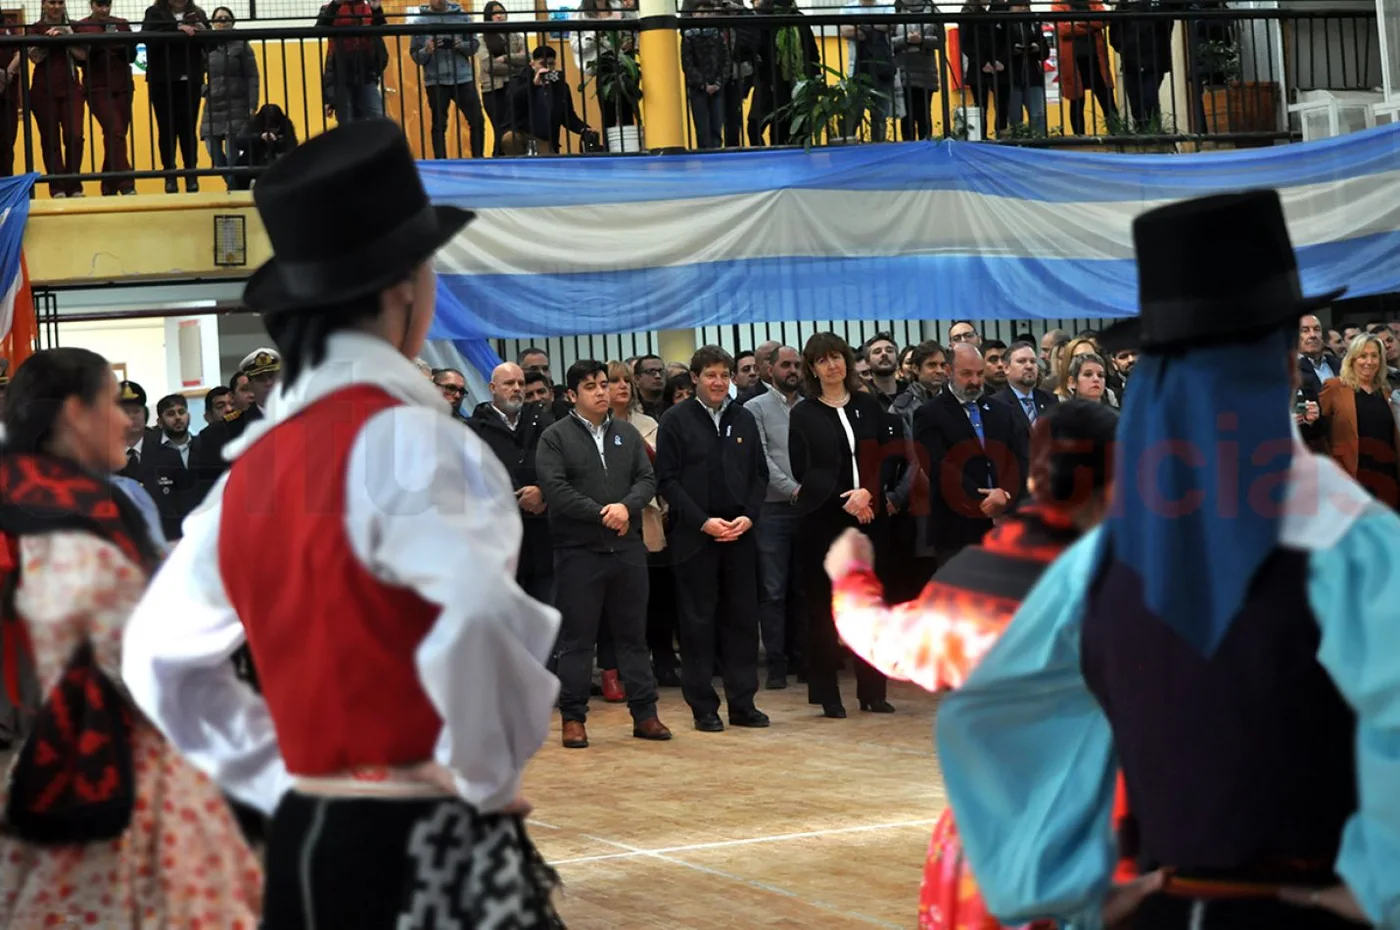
(577, 487)
(703, 472)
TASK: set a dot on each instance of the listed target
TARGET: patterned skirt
(948, 898)
(181, 863)
(402, 864)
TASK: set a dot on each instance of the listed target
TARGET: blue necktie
(1030, 408)
(975, 416)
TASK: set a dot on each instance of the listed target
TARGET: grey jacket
(231, 91)
(453, 61)
(774, 417)
(577, 485)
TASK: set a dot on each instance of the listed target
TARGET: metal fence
(188, 99)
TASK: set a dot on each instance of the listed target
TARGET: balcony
(1159, 77)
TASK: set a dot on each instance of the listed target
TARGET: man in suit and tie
(155, 465)
(1021, 394)
(1316, 366)
(977, 453)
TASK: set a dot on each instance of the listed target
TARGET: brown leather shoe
(652, 729)
(575, 735)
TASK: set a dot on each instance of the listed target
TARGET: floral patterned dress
(935, 641)
(183, 862)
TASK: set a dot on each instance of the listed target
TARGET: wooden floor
(810, 824)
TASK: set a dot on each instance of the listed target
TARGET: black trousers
(382, 864)
(661, 615)
(1162, 912)
(596, 588)
(440, 98)
(717, 586)
(1142, 86)
(496, 103)
(818, 531)
(176, 106)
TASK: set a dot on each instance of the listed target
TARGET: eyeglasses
(217, 19)
(963, 337)
(452, 389)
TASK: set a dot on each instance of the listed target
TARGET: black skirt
(412, 864)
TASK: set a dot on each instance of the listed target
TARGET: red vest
(333, 645)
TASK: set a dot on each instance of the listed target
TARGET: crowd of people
(374, 609)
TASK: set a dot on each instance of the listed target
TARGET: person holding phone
(449, 75)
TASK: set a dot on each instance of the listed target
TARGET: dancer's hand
(519, 806)
(1126, 898)
(1338, 899)
(851, 550)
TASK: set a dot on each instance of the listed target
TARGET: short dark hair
(1022, 344)
(40, 387)
(171, 400)
(582, 370)
(214, 394)
(1072, 451)
(529, 350)
(705, 356)
(637, 365)
(743, 354)
(956, 323)
(990, 344)
(819, 347)
(925, 351)
(438, 372)
(878, 337)
(537, 377)
(540, 53)
(233, 380)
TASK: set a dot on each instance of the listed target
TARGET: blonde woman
(1360, 429)
(661, 606)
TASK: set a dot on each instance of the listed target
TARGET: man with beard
(511, 428)
(976, 455)
(931, 363)
(170, 486)
(779, 591)
(150, 461)
(882, 355)
(1021, 393)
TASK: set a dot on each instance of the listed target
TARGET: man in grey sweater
(596, 479)
(777, 531)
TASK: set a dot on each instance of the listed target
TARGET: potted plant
(1229, 103)
(832, 110)
(619, 81)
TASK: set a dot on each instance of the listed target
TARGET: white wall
(139, 344)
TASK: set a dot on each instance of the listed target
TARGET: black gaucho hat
(347, 215)
(1211, 270)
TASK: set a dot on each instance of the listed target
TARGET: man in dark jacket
(1145, 48)
(512, 429)
(711, 470)
(977, 457)
(596, 479)
(541, 107)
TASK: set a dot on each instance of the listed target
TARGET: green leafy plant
(614, 70)
(1159, 125)
(830, 110)
(1219, 61)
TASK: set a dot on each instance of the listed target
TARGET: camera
(549, 77)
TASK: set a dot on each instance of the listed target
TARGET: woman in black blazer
(839, 440)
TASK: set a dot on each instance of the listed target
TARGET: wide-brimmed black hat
(1211, 270)
(347, 215)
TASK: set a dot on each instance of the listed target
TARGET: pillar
(660, 58)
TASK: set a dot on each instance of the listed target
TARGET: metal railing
(171, 108)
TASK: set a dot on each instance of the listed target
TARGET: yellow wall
(105, 238)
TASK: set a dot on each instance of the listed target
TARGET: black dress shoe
(776, 683)
(709, 723)
(667, 678)
(753, 718)
(835, 711)
(877, 707)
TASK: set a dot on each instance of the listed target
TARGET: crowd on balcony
(745, 85)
